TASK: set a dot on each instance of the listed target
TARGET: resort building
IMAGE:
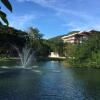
(77, 37)
(54, 55)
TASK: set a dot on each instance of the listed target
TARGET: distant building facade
(77, 37)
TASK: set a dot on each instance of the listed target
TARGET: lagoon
(49, 80)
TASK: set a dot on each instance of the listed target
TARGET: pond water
(49, 80)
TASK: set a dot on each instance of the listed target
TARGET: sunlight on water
(4, 67)
(35, 66)
(37, 71)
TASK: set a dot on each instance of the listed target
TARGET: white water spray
(26, 56)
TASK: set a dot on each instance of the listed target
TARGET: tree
(35, 33)
(37, 43)
(9, 37)
(56, 44)
(88, 53)
(3, 15)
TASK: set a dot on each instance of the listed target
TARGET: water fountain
(26, 56)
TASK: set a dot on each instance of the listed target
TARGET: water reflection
(50, 81)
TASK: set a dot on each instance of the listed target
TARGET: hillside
(59, 36)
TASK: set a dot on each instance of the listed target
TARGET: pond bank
(7, 59)
(63, 60)
(38, 58)
(51, 58)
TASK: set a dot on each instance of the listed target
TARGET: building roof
(69, 35)
(73, 33)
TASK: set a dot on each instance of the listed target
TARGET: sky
(55, 17)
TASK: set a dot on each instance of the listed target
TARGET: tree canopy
(87, 53)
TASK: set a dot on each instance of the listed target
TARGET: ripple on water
(4, 67)
(56, 71)
(35, 66)
(37, 71)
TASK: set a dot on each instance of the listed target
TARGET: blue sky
(55, 17)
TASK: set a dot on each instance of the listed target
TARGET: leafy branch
(3, 15)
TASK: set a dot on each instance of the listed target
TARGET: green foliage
(56, 44)
(8, 37)
(34, 33)
(7, 4)
(3, 16)
(88, 53)
(38, 44)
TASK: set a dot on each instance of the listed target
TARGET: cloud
(43, 3)
(80, 27)
(59, 7)
(20, 22)
(73, 26)
(63, 12)
(24, 0)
